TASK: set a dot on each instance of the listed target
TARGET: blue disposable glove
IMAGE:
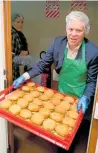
(83, 103)
(18, 81)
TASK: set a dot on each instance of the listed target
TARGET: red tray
(62, 142)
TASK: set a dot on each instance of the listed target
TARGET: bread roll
(45, 112)
(62, 130)
(61, 108)
(35, 94)
(38, 102)
(28, 97)
(19, 93)
(40, 89)
(56, 116)
(14, 109)
(37, 118)
(59, 96)
(49, 124)
(72, 114)
(74, 107)
(25, 88)
(5, 103)
(22, 102)
(49, 93)
(33, 107)
(48, 105)
(30, 84)
(25, 113)
(12, 97)
(43, 97)
(68, 121)
(69, 99)
(65, 105)
(55, 101)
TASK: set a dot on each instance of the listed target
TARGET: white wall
(40, 31)
(37, 27)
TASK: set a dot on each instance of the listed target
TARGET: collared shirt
(72, 53)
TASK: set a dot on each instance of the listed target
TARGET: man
(75, 59)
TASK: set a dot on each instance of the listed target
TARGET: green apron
(72, 80)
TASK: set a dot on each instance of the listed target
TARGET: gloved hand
(18, 81)
(83, 103)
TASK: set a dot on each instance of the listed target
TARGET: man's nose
(74, 32)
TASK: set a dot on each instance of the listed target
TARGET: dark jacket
(55, 54)
(19, 43)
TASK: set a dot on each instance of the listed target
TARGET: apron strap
(83, 50)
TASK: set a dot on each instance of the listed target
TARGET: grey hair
(16, 15)
(80, 16)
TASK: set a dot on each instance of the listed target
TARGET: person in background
(20, 51)
(46, 75)
(76, 61)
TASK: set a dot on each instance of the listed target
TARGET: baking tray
(64, 143)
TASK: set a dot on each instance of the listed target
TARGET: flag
(79, 5)
(52, 9)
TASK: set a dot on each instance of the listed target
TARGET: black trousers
(79, 144)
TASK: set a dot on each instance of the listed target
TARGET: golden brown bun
(25, 88)
(69, 99)
(74, 107)
(55, 101)
(33, 107)
(19, 93)
(22, 102)
(62, 130)
(38, 102)
(66, 105)
(37, 118)
(15, 109)
(45, 112)
(28, 97)
(56, 116)
(30, 84)
(43, 97)
(49, 93)
(35, 94)
(12, 97)
(59, 96)
(72, 114)
(49, 124)
(5, 103)
(25, 113)
(40, 89)
(49, 105)
(68, 121)
(61, 108)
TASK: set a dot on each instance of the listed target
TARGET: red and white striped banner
(79, 5)
(52, 8)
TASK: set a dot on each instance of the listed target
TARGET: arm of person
(89, 92)
(15, 48)
(24, 53)
(91, 78)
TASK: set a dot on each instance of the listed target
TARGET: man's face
(18, 23)
(75, 32)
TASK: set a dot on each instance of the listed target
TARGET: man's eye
(70, 29)
(79, 30)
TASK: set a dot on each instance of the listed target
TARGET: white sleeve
(26, 76)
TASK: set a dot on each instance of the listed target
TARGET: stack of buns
(43, 107)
